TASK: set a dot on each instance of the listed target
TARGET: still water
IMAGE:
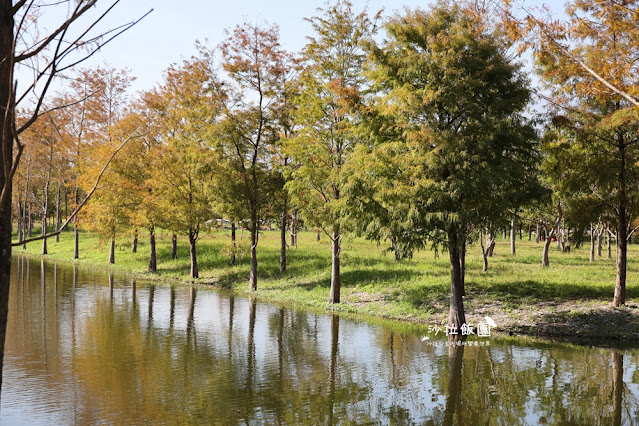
(85, 347)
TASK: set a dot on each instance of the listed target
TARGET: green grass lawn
(516, 289)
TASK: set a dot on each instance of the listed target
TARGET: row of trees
(423, 138)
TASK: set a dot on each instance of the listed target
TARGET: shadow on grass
(596, 326)
(544, 291)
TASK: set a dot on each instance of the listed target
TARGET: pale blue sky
(169, 33)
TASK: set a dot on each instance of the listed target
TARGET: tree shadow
(538, 290)
(598, 326)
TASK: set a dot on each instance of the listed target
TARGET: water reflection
(88, 347)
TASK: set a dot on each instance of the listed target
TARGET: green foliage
(182, 112)
(332, 87)
(454, 150)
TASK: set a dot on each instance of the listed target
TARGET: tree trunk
(558, 235)
(600, 240)
(622, 250)
(174, 246)
(294, 221)
(592, 243)
(57, 214)
(153, 261)
(134, 245)
(317, 235)
(393, 243)
(513, 235)
(484, 252)
(45, 206)
(529, 232)
(537, 233)
(456, 316)
(112, 251)
(44, 232)
(195, 273)
(25, 220)
(608, 243)
(76, 241)
(336, 276)
(233, 246)
(544, 255)
(283, 237)
(253, 274)
(6, 147)
(30, 219)
(19, 220)
(490, 244)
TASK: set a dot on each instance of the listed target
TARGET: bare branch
(62, 28)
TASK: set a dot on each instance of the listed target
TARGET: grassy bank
(570, 299)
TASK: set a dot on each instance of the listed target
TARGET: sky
(168, 34)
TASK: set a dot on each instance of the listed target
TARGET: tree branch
(77, 209)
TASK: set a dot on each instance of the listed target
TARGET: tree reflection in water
(154, 353)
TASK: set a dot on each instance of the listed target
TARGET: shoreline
(583, 321)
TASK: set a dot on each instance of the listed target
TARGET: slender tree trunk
(622, 228)
(195, 273)
(600, 240)
(57, 214)
(76, 241)
(44, 232)
(336, 276)
(134, 245)
(233, 245)
(317, 235)
(66, 209)
(529, 232)
(112, 250)
(6, 147)
(537, 233)
(558, 235)
(26, 221)
(45, 206)
(484, 252)
(293, 227)
(393, 242)
(544, 255)
(283, 237)
(456, 316)
(622, 250)
(30, 218)
(153, 260)
(608, 244)
(254, 237)
(76, 236)
(174, 246)
(19, 220)
(513, 235)
(592, 243)
(490, 244)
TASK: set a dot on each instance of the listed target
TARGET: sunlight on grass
(372, 282)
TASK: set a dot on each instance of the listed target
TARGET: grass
(516, 291)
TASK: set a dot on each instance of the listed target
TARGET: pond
(88, 347)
